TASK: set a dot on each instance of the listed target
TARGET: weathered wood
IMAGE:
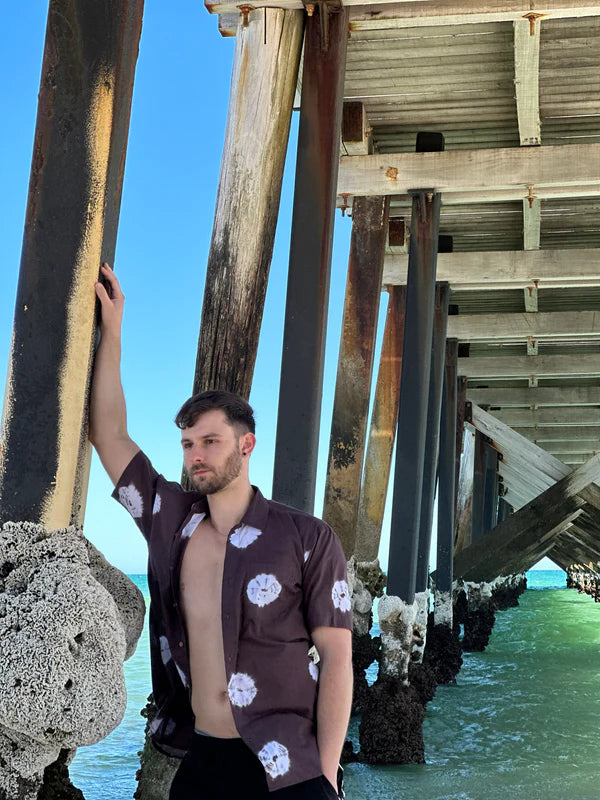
(302, 364)
(479, 470)
(527, 67)
(355, 367)
(464, 503)
(532, 226)
(461, 412)
(382, 434)
(567, 416)
(536, 397)
(511, 269)
(544, 515)
(389, 14)
(481, 173)
(544, 325)
(562, 433)
(560, 449)
(260, 107)
(70, 228)
(526, 366)
(369, 14)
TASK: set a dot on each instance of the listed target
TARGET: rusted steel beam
(305, 325)
(446, 492)
(355, 367)
(265, 70)
(461, 407)
(412, 415)
(382, 434)
(71, 222)
(432, 438)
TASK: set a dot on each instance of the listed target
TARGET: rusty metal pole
(70, 228)
(263, 83)
(355, 366)
(432, 439)
(479, 470)
(412, 416)
(461, 405)
(305, 326)
(382, 434)
(446, 491)
(504, 510)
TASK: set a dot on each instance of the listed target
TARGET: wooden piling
(382, 434)
(71, 222)
(355, 367)
(265, 70)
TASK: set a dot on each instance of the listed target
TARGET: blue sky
(176, 136)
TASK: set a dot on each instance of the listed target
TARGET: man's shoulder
(279, 513)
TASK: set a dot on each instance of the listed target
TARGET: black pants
(226, 769)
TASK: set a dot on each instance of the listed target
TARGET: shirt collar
(256, 513)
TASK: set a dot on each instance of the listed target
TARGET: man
(241, 588)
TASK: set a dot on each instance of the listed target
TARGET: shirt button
(180, 644)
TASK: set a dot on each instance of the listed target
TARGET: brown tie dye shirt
(284, 575)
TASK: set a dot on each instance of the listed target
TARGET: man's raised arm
(108, 414)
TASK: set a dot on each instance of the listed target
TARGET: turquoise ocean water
(523, 721)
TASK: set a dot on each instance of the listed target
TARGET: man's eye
(210, 441)
(186, 445)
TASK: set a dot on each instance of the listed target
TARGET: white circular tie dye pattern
(341, 596)
(306, 555)
(156, 506)
(241, 689)
(275, 759)
(131, 499)
(263, 589)
(313, 670)
(244, 536)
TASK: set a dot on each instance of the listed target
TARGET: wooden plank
(458, 12)
(482, 173)
(540, 396)
(562, 449)
(552, 325)
(357, 139)
(570, 415)
(506, 269)
(525, 366)
(527, 67)
(532, 225)
(260, 109)
(542, 517)
(564, 433)
(408, 13)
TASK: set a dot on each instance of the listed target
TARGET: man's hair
(238, 412)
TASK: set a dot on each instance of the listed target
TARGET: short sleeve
(136, 491)
(326, 596)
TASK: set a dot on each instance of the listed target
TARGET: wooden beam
(543, 518)
(532, 225)
(388, 14)
(549, 325)
(484, 174)
(570, 415)
(490, 367)
(367, 14)
(564, 433)
(506, 269)
(539, 396)
(527, 65)
(563, 449)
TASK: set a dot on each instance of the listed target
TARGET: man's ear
(247, 443)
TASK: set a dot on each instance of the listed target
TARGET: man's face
(211, 452)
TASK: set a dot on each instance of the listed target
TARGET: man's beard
(214, 482)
